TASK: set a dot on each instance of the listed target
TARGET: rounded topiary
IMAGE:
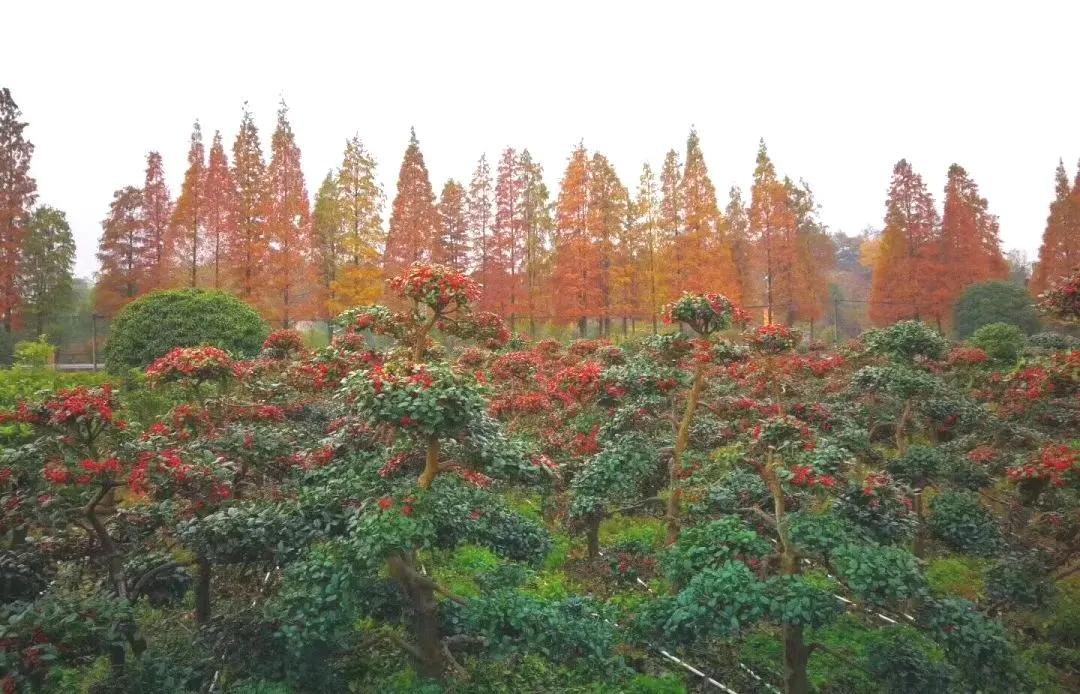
(994, 302)
(1002, 342)
(158, 322)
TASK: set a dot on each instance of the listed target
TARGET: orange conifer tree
(246, 249)
(157, 208)
(576, 270)
(219, 202)
(705, 252)
(291, 281)
(121, 251)
(1059, 253)
(414, 224)
(901, 270)
(185, 240)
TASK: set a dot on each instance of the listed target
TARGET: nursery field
(431, 503)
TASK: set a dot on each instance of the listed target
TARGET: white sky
(840, 91)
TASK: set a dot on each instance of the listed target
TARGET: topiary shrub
(994, 302)
(963, 524)
(1002, 342)
(1054, 342)
(154, 324)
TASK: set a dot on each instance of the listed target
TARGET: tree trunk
(901, 428)
(682, 439)
(202, 589)
(592, 533)
(796, 656)
(431, 463)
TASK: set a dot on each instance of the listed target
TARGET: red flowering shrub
(967, 356)
(283, 344)
(437, 286)
(1063, 299)
(1056, 464)
(704, 313)
(191, 365)
(772, 339)
(576, 383)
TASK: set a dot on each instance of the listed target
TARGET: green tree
(156, 323)
(45, 274)
(994, 302)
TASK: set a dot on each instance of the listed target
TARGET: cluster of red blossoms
(1054, 464)
(772, 339)
(69, 407)
(576, 383)
(283, 343)
(416, 375)
(197, 364)
(387, 502)
(967, 356)
(437, 286)
(805, 476)
(1063, 300)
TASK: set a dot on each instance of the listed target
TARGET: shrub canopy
(155, 324)
(994, 302)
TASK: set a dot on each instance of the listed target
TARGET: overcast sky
(839, 91)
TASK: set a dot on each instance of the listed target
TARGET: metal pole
(93, 340)
(836, 321)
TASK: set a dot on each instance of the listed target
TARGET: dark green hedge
(152, 325)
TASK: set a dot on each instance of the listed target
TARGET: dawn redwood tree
(673, 263)
(291, 281)
(452, 225)
(705, 249)
(773, 229)
(219, 201)
(18, 191)
(414, 222)
(187, 229)
(360, 205)
(902, 276)
(479, 216)
(157, 213)
(45, 273)
(576, 269)
(968, 250)
(646, 211)
(813, 256)
(1059, 253)
(737, 223)
(500, 276)
(608, 202)
(536, 219)
(326, 238)
(121, 251)
(247, 249)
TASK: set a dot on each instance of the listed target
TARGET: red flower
(385, 503)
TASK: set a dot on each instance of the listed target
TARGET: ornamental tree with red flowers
(1062, 301)
(705, 314)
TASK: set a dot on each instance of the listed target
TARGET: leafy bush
(1019, 579)
(1002, 342)
(994, 302)
(879, 575)
(34, 354)
(570, 631)
(976, 645)
(156, 323)
(962, 523)
(710, 545)
(906, 341)
(1054, 341)
(902, 665)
